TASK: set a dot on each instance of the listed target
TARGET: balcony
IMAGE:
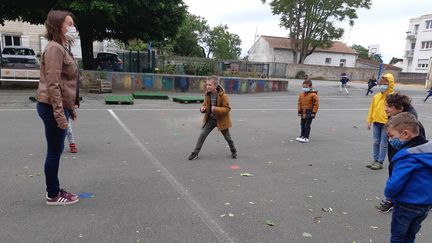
(411, 35)
(409, 53)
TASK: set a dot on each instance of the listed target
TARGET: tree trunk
(86, 36)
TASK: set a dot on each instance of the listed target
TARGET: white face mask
(71, 33)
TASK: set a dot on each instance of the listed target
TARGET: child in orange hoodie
(308, 104)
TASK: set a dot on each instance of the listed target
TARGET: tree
(311, 23)
(190, 37)
(106, 19)
(363, 52)
(222, 44)
(395, 60)
(136, 45)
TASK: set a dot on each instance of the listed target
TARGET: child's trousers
(305, 127)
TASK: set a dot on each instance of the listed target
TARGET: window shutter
(25, 40)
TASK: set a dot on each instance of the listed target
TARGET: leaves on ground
(327, 210)
(269, 223)
(246, 174)
(307, 235)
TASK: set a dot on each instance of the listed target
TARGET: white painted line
(220, 234)
(168, 109)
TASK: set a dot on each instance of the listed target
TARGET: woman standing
(57, 97)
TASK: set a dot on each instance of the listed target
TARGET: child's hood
(391, 84)
(422, 153)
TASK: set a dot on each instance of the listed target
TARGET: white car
(19, 57)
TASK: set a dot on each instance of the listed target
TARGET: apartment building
(418, 48)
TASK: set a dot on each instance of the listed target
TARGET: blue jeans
(406, 222)
(55, 137)
(379, 142)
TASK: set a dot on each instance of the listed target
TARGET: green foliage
(223, 44)
(189, 37)
(203, 68)
(300, 74)
(197, 39)
(311, 23)
(101, 19)
(363, 52)
(136, 45)
(395, 60)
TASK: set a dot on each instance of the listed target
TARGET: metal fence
(145, 62)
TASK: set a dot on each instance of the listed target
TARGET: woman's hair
(398, 101)
(308, 82)
(54, 23)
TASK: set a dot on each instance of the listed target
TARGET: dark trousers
(209, 126)
(429, 95)
(369, 90)
(406, 222)
(305, 125)
(55, 144)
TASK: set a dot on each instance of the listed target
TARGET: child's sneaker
(371, 164)
(385, 206)
(376, 166)
(305, 140)
(63, 198)
(73, 148)
(299, 139)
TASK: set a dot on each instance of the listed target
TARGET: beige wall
(333, 73)
(33, 32)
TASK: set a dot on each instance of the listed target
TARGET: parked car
(108, 61)
(19, 57)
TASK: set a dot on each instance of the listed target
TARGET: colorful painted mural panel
(260, 86)
(181, 84)
(167, 83)
(231, 86)
(148, 82)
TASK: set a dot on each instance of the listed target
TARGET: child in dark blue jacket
(429, 94)
(409, 183)
(343, 83)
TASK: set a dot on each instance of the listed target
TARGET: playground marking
(220, 234)
(195, 109)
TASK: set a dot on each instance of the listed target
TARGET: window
(429, 24)
(422, 63)
(328, 60)
(342, 63)
(416, 29)
(426, 44)
(11, 40)
(412, 46)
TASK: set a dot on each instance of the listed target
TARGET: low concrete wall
(181, 83)
(333, 73)
(412, 78)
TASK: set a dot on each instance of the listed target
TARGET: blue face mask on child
(396, 143)
(383, 88)
(306, 90)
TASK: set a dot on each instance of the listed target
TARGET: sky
(385, 23)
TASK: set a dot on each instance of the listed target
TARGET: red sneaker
(64, 198)
(73, 148)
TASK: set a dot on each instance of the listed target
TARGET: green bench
(119, 100)
(149, 95)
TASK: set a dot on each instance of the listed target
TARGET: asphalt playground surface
(132, 159)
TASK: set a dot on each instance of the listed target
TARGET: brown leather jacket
(308, 103)
(222, 110)
(58, 80)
